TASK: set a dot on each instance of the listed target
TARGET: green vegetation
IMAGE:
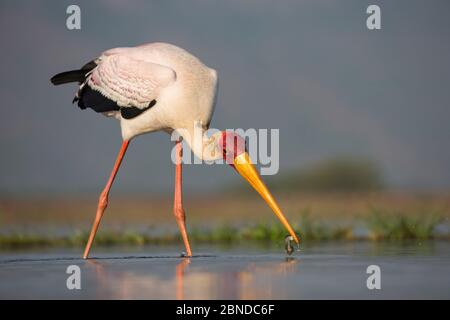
(391, 225)
(381, 225)
(103, 238)
(335, 175)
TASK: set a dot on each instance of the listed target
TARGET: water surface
(325, 271)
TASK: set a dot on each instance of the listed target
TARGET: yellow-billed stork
(159, 86)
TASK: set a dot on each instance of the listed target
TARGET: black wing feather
(90, 98)
(96, 101)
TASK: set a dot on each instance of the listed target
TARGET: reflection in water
(192, 279)
(179, 275)
(260, 281)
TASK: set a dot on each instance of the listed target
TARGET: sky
(311, 69)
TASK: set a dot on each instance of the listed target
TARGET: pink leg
(178, 202)
(103, 200)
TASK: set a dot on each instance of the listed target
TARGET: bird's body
(178, 87)
(159, 86)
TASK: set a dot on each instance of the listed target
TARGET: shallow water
(325, 271)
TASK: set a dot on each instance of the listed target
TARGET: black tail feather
(73, 75)
(69, 76)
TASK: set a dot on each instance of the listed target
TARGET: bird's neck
(202, 145)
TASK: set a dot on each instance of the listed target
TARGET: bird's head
(231, 145)
(234, 151)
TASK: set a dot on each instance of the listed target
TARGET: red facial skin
(232, 145)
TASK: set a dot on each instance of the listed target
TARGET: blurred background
(363, 118)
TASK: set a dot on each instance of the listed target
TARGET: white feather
(185, 90)
(130, 82)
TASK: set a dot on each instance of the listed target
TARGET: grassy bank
(379, 225)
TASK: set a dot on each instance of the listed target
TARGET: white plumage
(159, 86)
(130, 82)
(182, 85)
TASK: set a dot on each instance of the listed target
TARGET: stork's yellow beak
(245, 167)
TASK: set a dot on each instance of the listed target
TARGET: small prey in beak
(288, 245)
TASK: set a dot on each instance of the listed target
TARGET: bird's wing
(130, 82)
